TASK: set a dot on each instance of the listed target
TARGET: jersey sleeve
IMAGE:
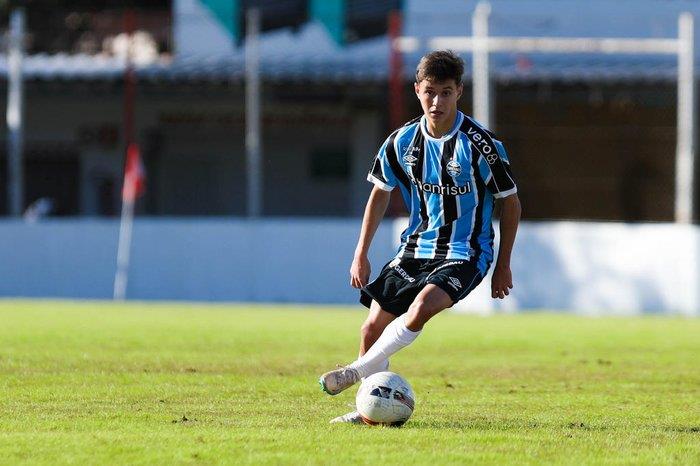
(381, 173)
(494, 169)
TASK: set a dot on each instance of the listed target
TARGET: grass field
(97, 383)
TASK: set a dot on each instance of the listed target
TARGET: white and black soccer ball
(385, 398)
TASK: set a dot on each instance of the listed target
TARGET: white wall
(588, 268)
(282, 260)
(601, 268)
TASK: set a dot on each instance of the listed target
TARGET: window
(330, 165)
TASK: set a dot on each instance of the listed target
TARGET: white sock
(381, 366)
(395, 336)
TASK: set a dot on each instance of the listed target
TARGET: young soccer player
(449, 169)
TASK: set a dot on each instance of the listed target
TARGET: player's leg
(404, 330)
(395, 288)
(397, 335)
(430, 301)
(373, 326)
(371, 330)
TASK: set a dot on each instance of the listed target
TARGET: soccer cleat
(336, 381)
(349, 418)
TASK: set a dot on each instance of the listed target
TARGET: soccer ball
(385, 398)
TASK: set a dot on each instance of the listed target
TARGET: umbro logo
(455, 283)
(410, 159)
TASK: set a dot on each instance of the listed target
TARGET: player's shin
(395, 336)
(381, 366)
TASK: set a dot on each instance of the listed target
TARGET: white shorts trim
(503, 194)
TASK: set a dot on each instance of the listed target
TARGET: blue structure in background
(330, 13)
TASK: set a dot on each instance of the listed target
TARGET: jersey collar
(455, 127)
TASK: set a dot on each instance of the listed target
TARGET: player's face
(439, 100)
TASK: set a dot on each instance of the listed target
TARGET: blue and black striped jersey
(449, 185)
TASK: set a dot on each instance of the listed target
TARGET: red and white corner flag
(134, 174)
(134, 186)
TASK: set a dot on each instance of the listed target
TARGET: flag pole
(396, 86)
(15, 113)
(123, 251)
(121, 277)
(253, 142)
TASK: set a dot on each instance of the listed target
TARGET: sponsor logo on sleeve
(482, 144)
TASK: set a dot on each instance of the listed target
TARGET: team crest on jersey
(454, 168)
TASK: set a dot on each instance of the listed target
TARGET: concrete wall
(583, 267)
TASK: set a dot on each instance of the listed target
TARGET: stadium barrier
(590, 268)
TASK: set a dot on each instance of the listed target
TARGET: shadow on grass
(482, 424)
(684, 429)
(485, 424)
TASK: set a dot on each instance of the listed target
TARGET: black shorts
(400, 281)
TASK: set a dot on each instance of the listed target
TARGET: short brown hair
(439, 66)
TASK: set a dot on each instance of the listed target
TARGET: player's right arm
(382, 176)
(374, 212)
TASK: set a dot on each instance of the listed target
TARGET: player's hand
(501, 282)
(360, 271)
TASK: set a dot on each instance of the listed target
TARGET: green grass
(97, 383)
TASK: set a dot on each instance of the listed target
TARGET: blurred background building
(591, 137)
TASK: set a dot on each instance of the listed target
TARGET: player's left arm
(501, 183)
(502, 279)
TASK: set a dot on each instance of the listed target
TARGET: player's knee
(419, 312)
(371, 329)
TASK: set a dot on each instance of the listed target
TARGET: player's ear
(416, 87)
(460, 90)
